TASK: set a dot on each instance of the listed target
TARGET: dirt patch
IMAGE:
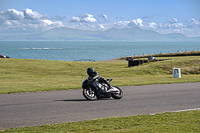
(196, 62)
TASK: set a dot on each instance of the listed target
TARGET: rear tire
(117, 95)
(89, 94)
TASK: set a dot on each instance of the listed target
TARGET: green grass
(181, 122)
(24, 75)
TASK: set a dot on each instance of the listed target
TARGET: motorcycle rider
(93, 75)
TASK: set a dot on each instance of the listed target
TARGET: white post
(176, 72)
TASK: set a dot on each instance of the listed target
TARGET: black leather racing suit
(92, 77)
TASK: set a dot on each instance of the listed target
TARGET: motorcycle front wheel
(117, 95)
(89, 94)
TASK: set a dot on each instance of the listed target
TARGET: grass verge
(181, 122)
(24, 75)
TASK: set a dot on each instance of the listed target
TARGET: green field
(181, 122)
(25, 75)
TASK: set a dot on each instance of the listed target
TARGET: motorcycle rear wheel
(89, 94)
(117, 95)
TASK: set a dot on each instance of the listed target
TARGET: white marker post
(176, 72)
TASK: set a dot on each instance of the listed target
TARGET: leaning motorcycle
(89, 93)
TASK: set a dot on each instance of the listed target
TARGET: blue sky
(163, 16)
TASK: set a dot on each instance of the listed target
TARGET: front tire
(117, 95)
(89, 94)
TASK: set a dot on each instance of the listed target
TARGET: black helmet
(90, 71)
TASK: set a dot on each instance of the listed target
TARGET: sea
(89, 51)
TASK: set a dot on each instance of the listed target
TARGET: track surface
(32, 109)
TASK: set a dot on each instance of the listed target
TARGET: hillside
(25, 75)
(128, 34)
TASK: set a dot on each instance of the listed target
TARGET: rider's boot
(109, 89)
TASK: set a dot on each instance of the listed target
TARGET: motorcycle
(89, 93)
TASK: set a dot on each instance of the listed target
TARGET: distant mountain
(65, 34)
(128, 34)
(137, 34)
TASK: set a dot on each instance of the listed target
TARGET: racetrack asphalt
(40, 108)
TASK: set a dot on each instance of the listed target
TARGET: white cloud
(48, 22)
(152, 25)
(176, 25)
(190, 29)
(121, 24)
(86, 18)
(193, 27)
(174, 20)
(89, 22)
(33, 15)
(136, 23)
(129, 24)
(101, 26)
(103, 16)
(75, 19)
(194, 23)
(27, 20)
(172, 25)
(13, 14)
